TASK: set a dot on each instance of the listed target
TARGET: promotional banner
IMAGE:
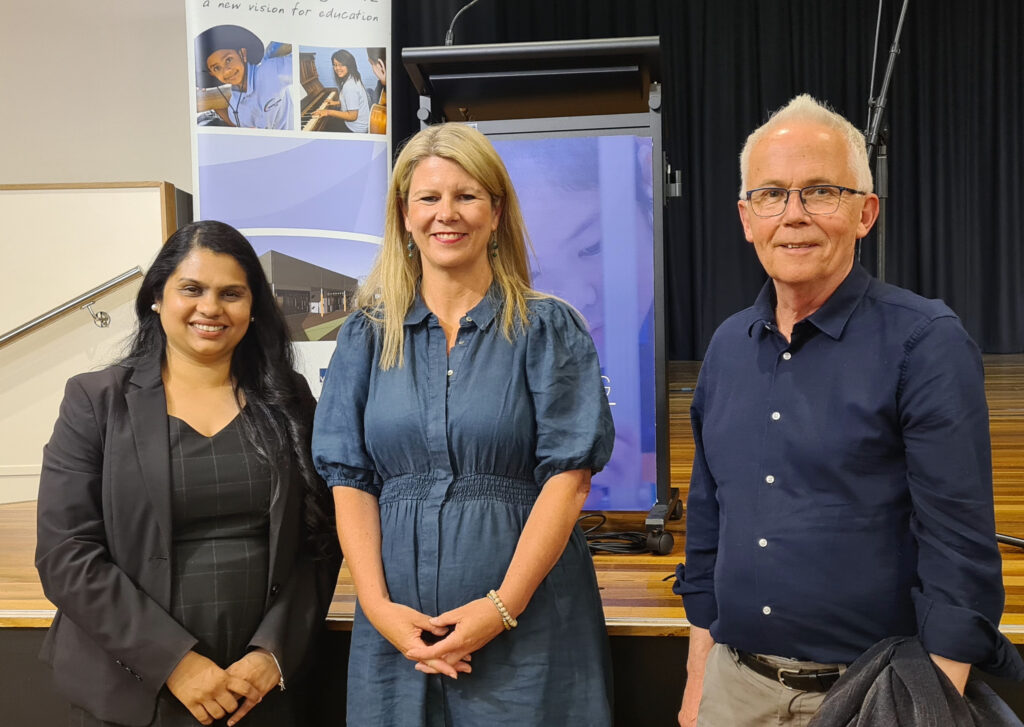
(290, 146)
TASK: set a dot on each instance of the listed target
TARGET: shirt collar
(831, 318)
(482, 314)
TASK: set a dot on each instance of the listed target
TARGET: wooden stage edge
(637, 598)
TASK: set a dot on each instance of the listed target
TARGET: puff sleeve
(573, 419)
(339, 442)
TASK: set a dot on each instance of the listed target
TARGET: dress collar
(482, 314)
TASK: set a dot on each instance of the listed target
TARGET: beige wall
(58, 244)
(94, 92)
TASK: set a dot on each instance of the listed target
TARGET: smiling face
(205, 307)
(812, 253)
(451, 219)
(340, 69)
(227, 66)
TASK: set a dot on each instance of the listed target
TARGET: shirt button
(770, 479)
(450, 372)
(767, 610)
(762, 542)
(786, 356)
(776, 416)
(468, 319)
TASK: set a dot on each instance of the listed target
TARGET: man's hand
(259, 669)
(206, 690)
(957, 671)
(700, 646)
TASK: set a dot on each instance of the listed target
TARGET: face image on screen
(588, 205)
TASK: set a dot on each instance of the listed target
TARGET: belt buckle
(781, 673)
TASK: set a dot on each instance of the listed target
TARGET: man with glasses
(841, 489)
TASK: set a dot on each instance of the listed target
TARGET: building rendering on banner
(313, 299)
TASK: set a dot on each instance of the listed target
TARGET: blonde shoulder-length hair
(390, 288)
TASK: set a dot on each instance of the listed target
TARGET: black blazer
(104, 544)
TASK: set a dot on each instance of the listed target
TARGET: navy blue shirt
(842, 483)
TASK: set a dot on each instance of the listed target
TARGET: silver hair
(806, 108)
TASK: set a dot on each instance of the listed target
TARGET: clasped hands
(461, 631)
(210, 693)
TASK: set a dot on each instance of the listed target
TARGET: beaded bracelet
(506, 618)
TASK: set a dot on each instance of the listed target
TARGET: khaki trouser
(735, 696)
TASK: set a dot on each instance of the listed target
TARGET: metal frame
(667, 505)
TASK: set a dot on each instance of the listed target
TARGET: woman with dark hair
(354, 103)
(182, 532)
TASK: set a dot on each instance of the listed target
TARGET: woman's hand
(206, 690)
(259, 669)
(403, 627)
(475, 624)
(334, 102)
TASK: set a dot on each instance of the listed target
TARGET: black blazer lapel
(147, 408)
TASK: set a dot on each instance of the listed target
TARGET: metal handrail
(85, 300)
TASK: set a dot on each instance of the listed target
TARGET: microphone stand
(449, 36)
(876, 108)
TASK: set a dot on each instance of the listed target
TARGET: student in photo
(379, 65)
(379, 94)
(260, 81)
(354, 103)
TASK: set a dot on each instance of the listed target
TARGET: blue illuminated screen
(589, 210)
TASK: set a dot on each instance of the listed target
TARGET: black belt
(804, 680)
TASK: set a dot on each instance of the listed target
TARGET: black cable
(629, 543)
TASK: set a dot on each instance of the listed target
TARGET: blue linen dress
(456, 447)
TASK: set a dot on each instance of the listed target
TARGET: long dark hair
(275, 414)
(349, 61)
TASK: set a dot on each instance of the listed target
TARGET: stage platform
(637, 599)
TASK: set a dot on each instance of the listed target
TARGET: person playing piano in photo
(260, 80)
(353, 101)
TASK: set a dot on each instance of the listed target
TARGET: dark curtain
(956, 132)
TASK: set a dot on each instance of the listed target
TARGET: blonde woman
(461, 420)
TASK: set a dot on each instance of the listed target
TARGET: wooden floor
(636, 599)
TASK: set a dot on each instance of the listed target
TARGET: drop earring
(494, 246)
(410, 246)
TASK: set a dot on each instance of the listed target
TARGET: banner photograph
(290, 146)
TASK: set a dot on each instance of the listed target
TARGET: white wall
(62, 243)
(94, 91)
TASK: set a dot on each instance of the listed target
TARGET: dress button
(450, 372)
(770, 479)
(786, 356)
(762, 542)
(776, 416)
(767, 610)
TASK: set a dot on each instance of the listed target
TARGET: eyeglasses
(817, 199)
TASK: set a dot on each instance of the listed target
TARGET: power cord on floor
(623, 542)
